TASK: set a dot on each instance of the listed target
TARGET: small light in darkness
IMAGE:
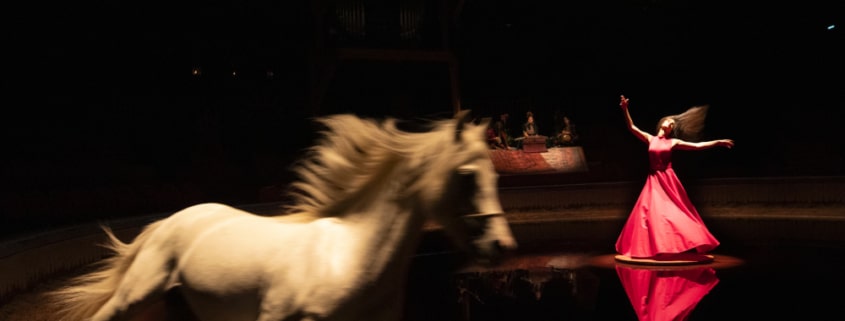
(830, 27)
(196, 72)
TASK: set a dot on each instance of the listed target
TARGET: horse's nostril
(498, 246)
(506, 245)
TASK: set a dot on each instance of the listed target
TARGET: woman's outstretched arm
(685, 145)
(643, 136)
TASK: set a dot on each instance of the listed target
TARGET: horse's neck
(388, 233)
(384, 225)
(389, 230)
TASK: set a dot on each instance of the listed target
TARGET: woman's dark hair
(689, 125)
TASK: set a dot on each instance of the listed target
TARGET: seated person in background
(500, 131)
(531, 135)
(567, 136)
(503, 131)
(494, 138)
(529, 128)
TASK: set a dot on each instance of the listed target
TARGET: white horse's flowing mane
(374, 184)
(355, 155)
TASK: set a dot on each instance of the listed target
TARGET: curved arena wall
(767, 210)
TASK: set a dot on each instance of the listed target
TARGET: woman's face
(667, 125)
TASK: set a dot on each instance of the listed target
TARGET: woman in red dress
(663, 221)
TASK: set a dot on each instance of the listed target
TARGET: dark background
(104, 118)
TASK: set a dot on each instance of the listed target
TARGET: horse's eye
(466, 176)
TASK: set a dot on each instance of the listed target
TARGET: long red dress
(663, 219)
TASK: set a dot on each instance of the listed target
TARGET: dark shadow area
(571, 283)
(116, 110)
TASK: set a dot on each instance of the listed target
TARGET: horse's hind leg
(144, 282)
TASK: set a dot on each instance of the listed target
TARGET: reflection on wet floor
(800, 282)
(672, 294)
(759, 282)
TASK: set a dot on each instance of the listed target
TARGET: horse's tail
(85, 294)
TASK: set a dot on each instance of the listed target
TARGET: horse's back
(176, 234)
(201, 217)
(225, 254)
(204, 211)
(235, 239)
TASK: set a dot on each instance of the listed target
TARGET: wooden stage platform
(552, 160)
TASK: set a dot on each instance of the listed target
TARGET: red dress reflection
(666, 294)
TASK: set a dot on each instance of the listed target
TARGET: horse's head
(442, 170)
(465, 199)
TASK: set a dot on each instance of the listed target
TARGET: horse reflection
(666, 294)
(341, 252)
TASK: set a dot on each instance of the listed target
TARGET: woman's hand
(726, 143)
(623, 102)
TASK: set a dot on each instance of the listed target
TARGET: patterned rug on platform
(555, 160)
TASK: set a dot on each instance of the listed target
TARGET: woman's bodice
(660, 153)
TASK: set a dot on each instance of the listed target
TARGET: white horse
(342, 250)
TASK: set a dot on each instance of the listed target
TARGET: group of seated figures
(499, 137)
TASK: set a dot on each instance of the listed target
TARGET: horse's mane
(356, 155)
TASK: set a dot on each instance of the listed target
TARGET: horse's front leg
(275, 308)
(279, 303)
(143, 283)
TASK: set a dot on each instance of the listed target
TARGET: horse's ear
(461, 117)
